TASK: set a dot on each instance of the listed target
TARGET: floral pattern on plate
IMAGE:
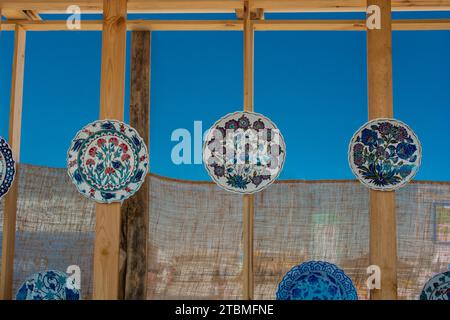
(107, 161)
(437, 288)
(316, 280)
(244, 152)
(384, 154)
(7, 167)
(48, 285)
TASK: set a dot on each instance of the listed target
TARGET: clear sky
(311, 84)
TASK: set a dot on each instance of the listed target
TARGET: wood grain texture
(248, 200)
(135, 210)
(15, 126)
(383, 225)
(107, 227)
(232, 25)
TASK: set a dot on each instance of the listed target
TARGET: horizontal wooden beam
(219, 6)
(231, 25)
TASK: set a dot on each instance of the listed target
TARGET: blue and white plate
(316, 280)
(48, 285)
(384, 154)
(244, 152)
(107, 161)
(437, 288)
(7, 167)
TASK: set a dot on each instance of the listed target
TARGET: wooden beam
(135, 210)
(232, 25)
(220, 6)
(107, 228)
(15, 125)
(383, 226)
(12, 14)
(249, 199)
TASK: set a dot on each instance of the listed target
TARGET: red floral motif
(90, 162)
(122, 128)
(142, 158)
(114, 141)
(124, 147)
(92, 192)
(127, 189)
(92, 151)
(101, 142)
(110, 170)
(125, 157)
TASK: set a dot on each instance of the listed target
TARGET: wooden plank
(383, 227)
(248, 200)
(107, 228)
(15, 125)
(220, 6)
(135, 210)
(232, 25)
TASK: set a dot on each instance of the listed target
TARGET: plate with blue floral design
(107, 161)
(7, 167)
(437, 288)
(384, 154)
(316, 280)
(244, 152)
(48, 285)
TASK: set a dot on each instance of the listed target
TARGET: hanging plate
(48, 285)
(384, 154)
(316, 280)
(437, 288)
(107, 161)
(7, 167)
(244, 152)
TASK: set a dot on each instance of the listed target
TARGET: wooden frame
(23, 15)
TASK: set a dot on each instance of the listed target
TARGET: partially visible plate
(437, 288)
(384, 154)
(244, 152)
(7, 167)
(316, 280)
(48, 285)
(107, 161)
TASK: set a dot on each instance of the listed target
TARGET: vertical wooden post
(107, 228)
(15, 125)
(135, 210)
(248, 200)
(383, 226)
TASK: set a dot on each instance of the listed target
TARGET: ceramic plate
(437, 288)
(7, 167)
(107, 161)
(244, 152)
(48, 285)
(316, 280)
(384, 154)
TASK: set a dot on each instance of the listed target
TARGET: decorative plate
(107, 161)
(384, 154)
(437, 288)
(316, 280)
(7, 167)
(244, 152)
(48, 285)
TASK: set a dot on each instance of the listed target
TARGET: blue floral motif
(437, 288)
(48, 285)
(316, 280)
(107, 161)
(7, 167)
(384, 154)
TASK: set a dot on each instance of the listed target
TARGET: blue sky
(311, 84)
